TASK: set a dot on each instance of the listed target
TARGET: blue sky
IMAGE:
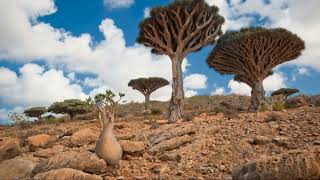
(55, 50)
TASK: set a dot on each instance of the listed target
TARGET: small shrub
(278, 106)
(155, 111)
(188, 117)
(264, 107)
(56, 120)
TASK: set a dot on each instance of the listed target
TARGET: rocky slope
(270, 145)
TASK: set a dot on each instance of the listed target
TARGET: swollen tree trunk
(176, 102)
(107, 147)
(257, 95)
(146, 102)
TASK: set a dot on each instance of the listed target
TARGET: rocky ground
(268, 145)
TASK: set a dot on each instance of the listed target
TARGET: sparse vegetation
(155, 111)
(214, 135)
(264, 107)
(278, 106)
(55, 120)
(19, 122)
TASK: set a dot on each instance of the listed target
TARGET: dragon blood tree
(175, 30)
(147, 86)
(286, 92)
(251, 54)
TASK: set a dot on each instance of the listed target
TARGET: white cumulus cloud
(195, 81)
(271, 83)
(118, 3)
(218, 91)
(36, 87)
(146, 12)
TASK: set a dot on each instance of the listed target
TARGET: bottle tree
(175, 30)
(251, 54)
(107, 146)
(147, 86)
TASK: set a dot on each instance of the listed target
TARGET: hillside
(208, 146)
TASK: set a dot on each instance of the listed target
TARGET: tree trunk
(146, 102)
(257, 95)
(107, 146)
(176, 102)
(71, 116)
(101, 121)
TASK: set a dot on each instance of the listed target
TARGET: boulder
(83, 161)
(9, 148)
(292, 165)
(296, 102)
(46, 153)
(84, 137)
(170, 133)
(132, 148)
(16, 168)
(171, 144)
(40, 140)
(66, 174)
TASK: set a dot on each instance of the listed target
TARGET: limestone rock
(84, 161)
(66, 174)
(293, 165)
(170, 144)
(16, 168)
(170, 133)
(40, 140)
(84, 137)
(132, 148)
(46, 153)
(9, 148)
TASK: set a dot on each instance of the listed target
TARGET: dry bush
(278, 106)
(155, 111)
(264, 107)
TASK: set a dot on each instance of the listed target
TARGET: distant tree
(147, 86)
(176, 30)
(251, 54)
(35, 112)
(286, 92)
(70, 107)
(107, 147)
